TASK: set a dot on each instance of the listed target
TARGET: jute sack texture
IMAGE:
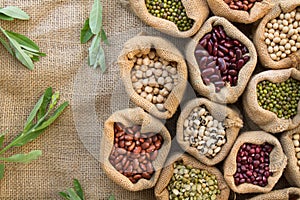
(129, 118)
(293, 60)
(166, 50)
(267, 120)
(258, 11)
(227, 94)
(196, 9)
(278, 162)
(232, 122)
(161, 191)
(292, 172)
(284, 194)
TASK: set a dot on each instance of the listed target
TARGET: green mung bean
(279, 98)
(172, 10)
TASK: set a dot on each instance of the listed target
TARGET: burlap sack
(284, 194)
(278, 162)
(259, 10)
(161, 191)
(165, 50)
(293, 60)
(292, 172)
(227, 94)
(232, 122)
(130, 117)
(196, 9)
(265, 119)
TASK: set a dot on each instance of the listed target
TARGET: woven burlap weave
(284, 194)
(55, 26)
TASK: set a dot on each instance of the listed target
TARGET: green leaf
(100, 61)
(33, 113)
(21, 55)
(35, 58)
(51, 119)
(78, 188)
(24, 158)
(2, 169)
(26, 138)
(104, 37)
(94, 49)
(64, 195)
(5, 17)
(2, 137)
(6, 45)
(43, 108)
(24, 41)
(86, 33)
(111, 197)
(96, 17)
(73, 195)
(54, 100)
(14, 12)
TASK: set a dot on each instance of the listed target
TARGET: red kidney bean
(133, 152)
(214, 78)
(208, 72)
(253, 171)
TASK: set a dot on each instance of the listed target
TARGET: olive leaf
(20, 46)
(78, 188)
(96, 17)
(93, 28)
(2, 169)
(23, 158)
(2, 137)
(112, 197)
(86, 33)
(14, 12)
(40, 118)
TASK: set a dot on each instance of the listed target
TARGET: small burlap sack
(265, 119)
(293, 60)
(161, 191)
(284, 194)
(166, 50)
(227, 94)
(128, 118)
(278, 162)
(259, 10)
(232, 122)
(195, 9)
(292, 172)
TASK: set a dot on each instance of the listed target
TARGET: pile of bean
(133, 152)
(296, 142)
(282, 35)
(204, 132)
(253, 164)
(153, 77)
(245, 5)
(279, 98)
(171, 10)
(221, 59)
(193, 184)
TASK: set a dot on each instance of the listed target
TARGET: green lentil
(172, 10)
(199, 184)
(279, 98)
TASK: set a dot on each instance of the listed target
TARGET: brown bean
(236, 43)
(131, 147)
(122, 137)
(229, 78)
(142, 140)
(151, 148)
(128, 137)
(121, 151)
(124, 160)
(137, 176)
(119, 134)
(208, 72)
(157, 144)
(128, 167)
(128, 143)
(143, 167)
(132, 180)
(206, 81)
(136, 128)
(129, 131)
(154, 138)
(232, 72)
(118, 166)
(137, 149)
(154, 155)
(137, 135)
(227, 1)
(146, 175)
(235, 80)
(118, 126)
(234, 7)
(135, 163)
(137, 143)
(214, 78)
(148, 156)
(149, 167)
(142, 158)
(122, 144)
(145, 145)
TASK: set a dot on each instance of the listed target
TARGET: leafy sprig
(41, 117)
(93, 29)
(76, 193)
(19, 46)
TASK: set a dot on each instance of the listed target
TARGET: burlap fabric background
(55, 25)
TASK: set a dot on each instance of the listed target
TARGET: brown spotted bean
(133, 152)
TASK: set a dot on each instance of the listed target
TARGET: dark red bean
(239, 54)
(220, 84)
(214, 78)
(223, 49)
(206, 81)
(240, 64)
(208, 72)
(203, 43)
(210, 47)
(211, 65)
